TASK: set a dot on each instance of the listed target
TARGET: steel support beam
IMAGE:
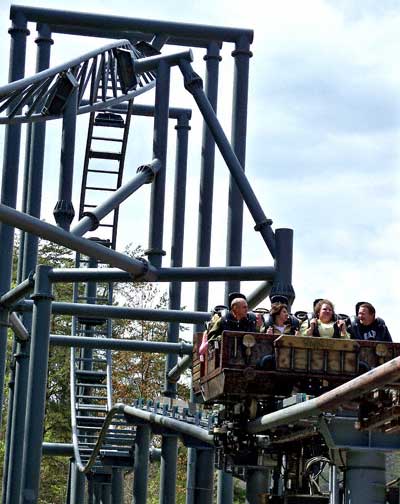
(169, 456)
(207, 178)
(282, 283)
(241, 55)
(37, 383)
(64, 210)
(117, 486)
(194, 85)
(78, 481)
(12, 139)
(257, 485)
(105, 311)
(62, 237)
(141, 464)
(365, 477)
(160, 141)
(178, 229)
(92, 218)
(204, 490)
(183, 274)
(84, 23)
(121, 344)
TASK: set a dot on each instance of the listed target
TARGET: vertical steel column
(365, 477)
(283, 264)
(37, 384)
(333, 486)
(25, 183)
(141, 464)
(36, 157)
(212, 59)
(11, 386)
(90, 491)
(97, 492)
(160, 141)
(257, 484)
(204, 476)
(64, 210)
(225, 488)
(16, 447)
(169, 454)
(242, 55)
(178, 228)
(117, 486)
(33, 194)
(77, 484)
(106, 493)
(9, 185)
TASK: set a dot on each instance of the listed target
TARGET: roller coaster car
(257, 365)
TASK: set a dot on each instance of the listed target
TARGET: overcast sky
(323, 136)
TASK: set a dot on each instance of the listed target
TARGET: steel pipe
(331, 400)
(61, 20)
(152, 62)
(20, 331)
(122, 344)
(57, 235)
(183, 274)
(170, 423)
(194, 85)
(175, 373)
(18, 292)
(58, 449)
(117, 312)
(91, 219)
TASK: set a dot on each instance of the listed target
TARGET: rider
(325, 324)
(238, 318)
(366, 326)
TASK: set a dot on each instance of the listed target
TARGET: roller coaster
(311, 410)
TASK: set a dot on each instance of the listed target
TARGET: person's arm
(307, 330)
(342, 329)
(215, 328)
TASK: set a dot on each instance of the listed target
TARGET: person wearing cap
(366, 326)
(325, 323)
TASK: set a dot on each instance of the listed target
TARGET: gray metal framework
(109, 438)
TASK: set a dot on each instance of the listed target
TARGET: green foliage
(134, 375)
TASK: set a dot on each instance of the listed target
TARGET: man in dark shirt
(238, 318)
(366, 326)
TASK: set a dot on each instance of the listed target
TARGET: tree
(134, 375)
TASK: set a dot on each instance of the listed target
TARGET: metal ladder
(91, 369)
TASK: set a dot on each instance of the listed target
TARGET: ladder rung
(107, 139)
(90, 407)
(91, 385)
(100, 189)
(111, 172)
(116, 156)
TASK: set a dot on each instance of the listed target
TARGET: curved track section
(181, 422)
(103, 78)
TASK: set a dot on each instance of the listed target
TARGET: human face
(326, 313)
(240, 309)
(282, 317)
(364, 316)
